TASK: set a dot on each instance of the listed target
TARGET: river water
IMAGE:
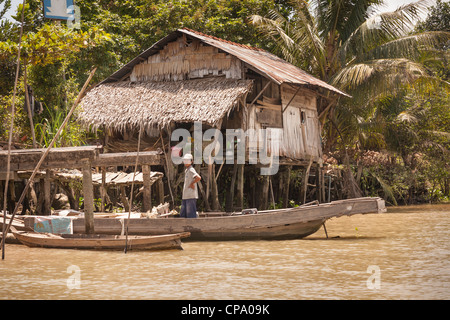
(401, 254)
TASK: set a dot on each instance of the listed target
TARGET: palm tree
(352, 46)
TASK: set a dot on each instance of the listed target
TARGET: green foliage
(72, 135)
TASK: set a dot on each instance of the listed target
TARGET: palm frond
(410, 46)
(382, 28)
(379, 73)
(295, 38)
(406, 116)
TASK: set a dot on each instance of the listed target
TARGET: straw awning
(125, 104)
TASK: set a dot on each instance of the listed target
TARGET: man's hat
(188, 157)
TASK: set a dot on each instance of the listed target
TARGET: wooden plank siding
(180, 60)
(300, 125)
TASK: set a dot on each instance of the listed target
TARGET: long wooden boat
(100, 241)
(292, 223)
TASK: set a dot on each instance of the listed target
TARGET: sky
(391, 5)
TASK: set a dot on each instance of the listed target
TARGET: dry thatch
(122, 105)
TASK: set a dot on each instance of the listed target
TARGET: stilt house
(189, 76)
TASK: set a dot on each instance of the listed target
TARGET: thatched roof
(125, 104)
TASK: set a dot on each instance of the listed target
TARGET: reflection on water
(402, 254)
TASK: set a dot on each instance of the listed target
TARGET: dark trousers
(188, 208)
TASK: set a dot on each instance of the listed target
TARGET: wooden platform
(84, 158)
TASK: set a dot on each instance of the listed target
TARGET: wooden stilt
(124, 199)
(103, 190)
(214, 191)
(265, 193)
(160, 191)
(230, 195)
(271, 192)
(287, 183)
(47, 194)
(325, 229)
(305, 182)
(12, 194)
(167, 167)
(240, 187)
(318, 183)
(147, 194)
(88, 194)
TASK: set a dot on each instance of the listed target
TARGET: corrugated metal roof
(267, 64)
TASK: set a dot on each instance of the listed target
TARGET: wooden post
(240, 187)
(230, 195)
(12, 193)
(147, 194)
(271, 192)
(318, 184)
(160, 190)
(167, 166)
(103, 189)
(88, 193)
(214, 191)
(305, 182)
(287, 182)
(47, 194)
(325, 229)
(265, 193)
(124, 199)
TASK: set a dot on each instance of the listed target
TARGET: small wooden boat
(100, 241)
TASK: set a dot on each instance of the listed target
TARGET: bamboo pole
(88, 194)
(168, 169)
(11, 128)
(27, 102)
(132, 188)
(66, 120)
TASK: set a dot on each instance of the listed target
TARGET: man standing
(190, 193)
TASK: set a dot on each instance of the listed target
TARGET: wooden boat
(292, 223)
(99, 241)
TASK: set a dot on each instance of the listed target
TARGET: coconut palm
(354, 47)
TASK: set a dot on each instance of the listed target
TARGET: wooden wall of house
(185, 59)
(295, 121)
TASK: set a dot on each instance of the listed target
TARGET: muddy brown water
(401, 254)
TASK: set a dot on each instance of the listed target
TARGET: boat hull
(100, 242)
(294, 223)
